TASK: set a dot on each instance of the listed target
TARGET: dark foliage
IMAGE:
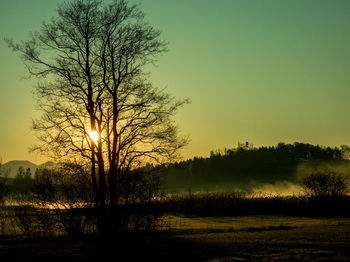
(138, 186)
(244, 164)
(23, 182)
(326, 184)
(70, 184)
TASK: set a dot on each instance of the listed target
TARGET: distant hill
(241, 167)
(10, 168)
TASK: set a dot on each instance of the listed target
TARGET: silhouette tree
(23, 181)
(20, 173)
(91, 60)
(326, 184)
(27, 175)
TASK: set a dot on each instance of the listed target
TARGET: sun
(94, 136)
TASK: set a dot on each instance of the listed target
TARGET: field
(273, 238)
(240, 238)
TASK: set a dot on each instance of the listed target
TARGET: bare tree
(326, 184)
(96, 101)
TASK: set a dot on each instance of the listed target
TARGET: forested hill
(242, 165)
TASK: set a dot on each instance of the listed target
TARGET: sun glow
(94, 136)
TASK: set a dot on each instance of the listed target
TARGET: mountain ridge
(10, 168)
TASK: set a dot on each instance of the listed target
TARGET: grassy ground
(279, 239)
(248, 238)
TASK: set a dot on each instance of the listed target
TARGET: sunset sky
(262, 71)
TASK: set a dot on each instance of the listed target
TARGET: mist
(339, 166)
(279, 188)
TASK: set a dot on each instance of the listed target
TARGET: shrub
(66, 191)
(138, 186)
(326, 184)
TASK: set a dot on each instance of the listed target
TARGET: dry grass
(237, 203)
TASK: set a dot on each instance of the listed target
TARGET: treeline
(239, 166)
(235, 167)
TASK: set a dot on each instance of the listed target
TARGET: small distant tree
(20, 174)
(28, 174)
(23, 182)
(326, 184)
(44, 188)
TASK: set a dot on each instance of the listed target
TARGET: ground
(249, 238)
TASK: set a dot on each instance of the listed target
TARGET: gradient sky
(263, 71)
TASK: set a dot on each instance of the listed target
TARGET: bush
(138, 186)
(66, 191)
(326, 184)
